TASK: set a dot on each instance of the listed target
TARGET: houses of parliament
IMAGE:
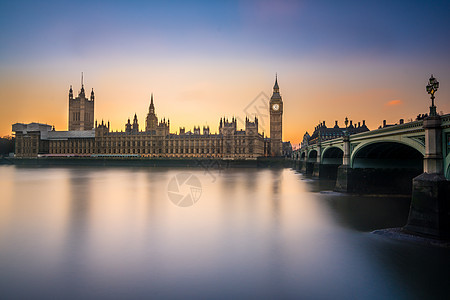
(88, 138)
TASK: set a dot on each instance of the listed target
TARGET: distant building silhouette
(322, 132)
(85, 138)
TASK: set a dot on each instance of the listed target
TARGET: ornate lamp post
(432, 87)
(346, 126)
(344, 176)
(429, 214)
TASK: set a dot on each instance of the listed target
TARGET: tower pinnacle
(70, 93)
(276, 89)
(152, 106)
(81, 94)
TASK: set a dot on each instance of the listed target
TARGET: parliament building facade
(86, 138)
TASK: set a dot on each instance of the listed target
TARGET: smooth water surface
(101, 232)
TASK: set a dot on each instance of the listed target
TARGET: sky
(203, 60)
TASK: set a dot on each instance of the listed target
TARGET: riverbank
(402, 235)
(206, 163)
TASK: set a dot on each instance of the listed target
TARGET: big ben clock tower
(276, 120)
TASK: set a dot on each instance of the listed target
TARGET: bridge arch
(385, 167)
(312, 156)
(387, 154)
(332, 156)
(405, 141)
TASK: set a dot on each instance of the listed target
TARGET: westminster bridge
(413, 156)
(394, 147)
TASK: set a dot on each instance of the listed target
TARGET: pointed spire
(92, 94)
(70, 93)
(82, 87)
(275, 87)
(152, 106)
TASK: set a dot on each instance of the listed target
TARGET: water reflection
(113, 233)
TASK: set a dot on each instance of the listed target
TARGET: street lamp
(346, 123)
(432, 87)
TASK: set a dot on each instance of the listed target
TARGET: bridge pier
(309, 168)
(298, 165)
(429, 213)
(344, 178)
(316, 169)
(316, 165)
(303, 166)
(328, 171)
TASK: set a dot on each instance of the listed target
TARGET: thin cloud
(394, 102)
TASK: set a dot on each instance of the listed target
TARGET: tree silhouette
(6, 145)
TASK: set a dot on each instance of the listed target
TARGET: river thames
(120, 232)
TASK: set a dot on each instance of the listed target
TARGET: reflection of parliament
(87, 138)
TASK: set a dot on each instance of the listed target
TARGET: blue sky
(73, 29)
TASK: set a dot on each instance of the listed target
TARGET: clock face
(275, 107)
